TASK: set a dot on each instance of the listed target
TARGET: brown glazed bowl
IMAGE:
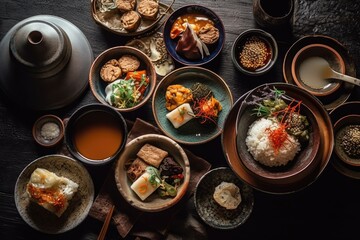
(153, 203)
(304, 161)
(98, 86)
(48, 131)
(340, 127)
(317, 52)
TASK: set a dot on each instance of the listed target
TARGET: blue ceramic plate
(210, 211)
(98, 86)
(193, 132)
(171, 43)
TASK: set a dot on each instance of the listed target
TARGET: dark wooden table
(330, 207)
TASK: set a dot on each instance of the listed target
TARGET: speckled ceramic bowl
(193, 132)
(79, 207)
(48, 131)
(153, 203)
(210, 211)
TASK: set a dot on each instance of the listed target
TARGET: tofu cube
(180, 115)
(142, 187)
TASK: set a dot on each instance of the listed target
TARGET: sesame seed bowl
(254, 52)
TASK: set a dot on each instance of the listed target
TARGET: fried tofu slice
(152, 155)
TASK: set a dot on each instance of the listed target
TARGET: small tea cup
(271, 15)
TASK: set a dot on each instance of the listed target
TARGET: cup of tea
(271, 15)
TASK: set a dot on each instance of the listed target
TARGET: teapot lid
(41, 48)
(46, 62)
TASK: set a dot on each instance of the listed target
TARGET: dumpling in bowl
(227, 195)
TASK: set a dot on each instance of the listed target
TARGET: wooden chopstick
(106, 224)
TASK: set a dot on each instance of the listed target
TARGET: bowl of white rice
(267, 147)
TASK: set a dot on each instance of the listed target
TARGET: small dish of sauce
(95, 134)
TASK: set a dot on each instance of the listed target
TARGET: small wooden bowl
(339, 131)
(48, 131)
(318, 51)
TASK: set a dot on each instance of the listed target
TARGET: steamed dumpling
(227, 195)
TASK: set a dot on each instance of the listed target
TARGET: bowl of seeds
(254, 52)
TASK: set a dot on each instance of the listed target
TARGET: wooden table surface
(329, 207)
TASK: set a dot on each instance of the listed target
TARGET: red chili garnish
(177, 176)
(279, 135)
(207, 110)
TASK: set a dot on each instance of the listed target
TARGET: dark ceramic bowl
(98, 86)
(316, 55)
(262, 36)
(229, 145)
(153, 203)
(340, 127)
(304, 161)
(214, 49)
(210, 211)
(275, 17)
(51, 134)
(193, 132)
(95, 134)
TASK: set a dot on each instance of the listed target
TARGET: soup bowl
(95, 134)
(307, 65)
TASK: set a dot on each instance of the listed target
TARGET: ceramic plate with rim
(43, 220)
(210, 211)
(110, 19)
(348, 108)
(193, 132)
(343, 93)
(228, 141)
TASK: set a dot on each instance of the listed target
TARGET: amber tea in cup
(273, 14)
